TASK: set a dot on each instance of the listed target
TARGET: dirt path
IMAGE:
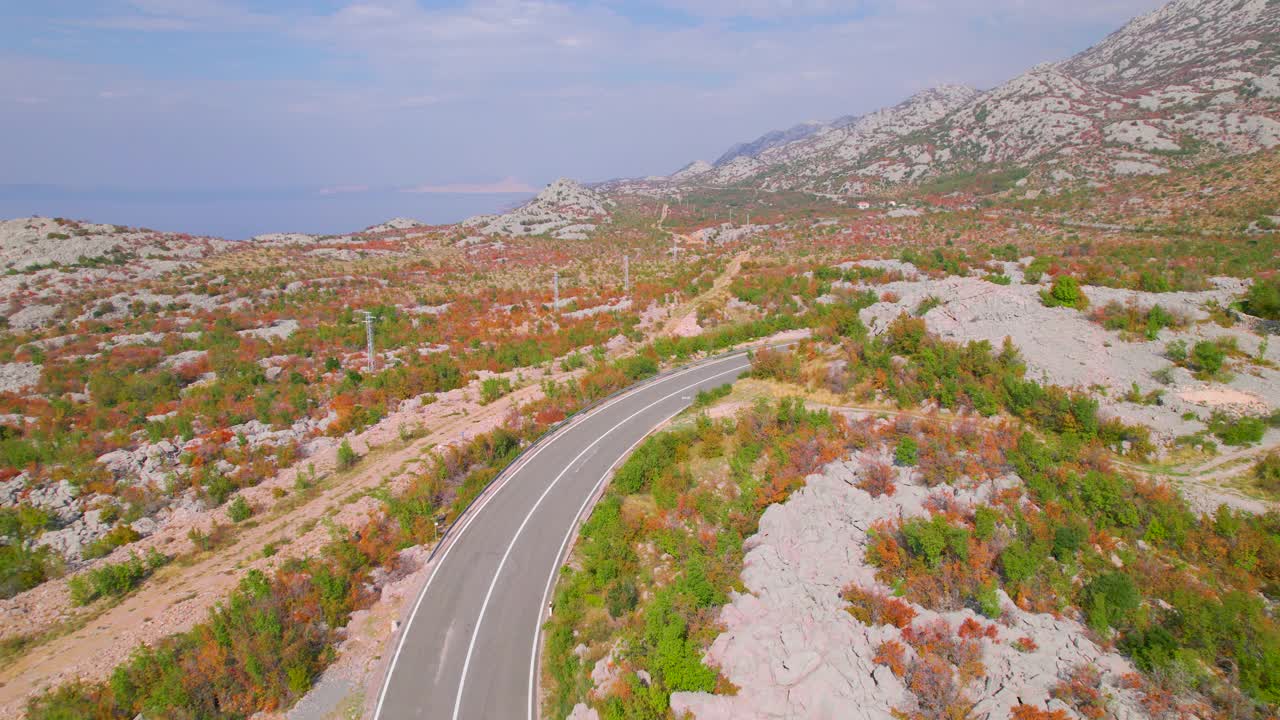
(180, 595)
(683, 320)
(1204, 483)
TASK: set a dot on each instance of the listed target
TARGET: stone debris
(793, 650)
(278, 330)
(18, 376)
(1062, 346)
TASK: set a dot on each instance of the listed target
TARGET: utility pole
(368, 333)
(626, 275)
(555, 305)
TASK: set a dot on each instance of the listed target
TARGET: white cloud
(342, 189)
(186, 15)
(532, 88)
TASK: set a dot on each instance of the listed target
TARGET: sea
(241, 214)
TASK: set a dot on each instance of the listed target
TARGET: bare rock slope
(1194, 80)
(564, 210)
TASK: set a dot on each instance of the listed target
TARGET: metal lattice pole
(368, 332)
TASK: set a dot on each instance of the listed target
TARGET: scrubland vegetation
(1182, 594)
(204, 369)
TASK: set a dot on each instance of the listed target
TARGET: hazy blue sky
(392, 94)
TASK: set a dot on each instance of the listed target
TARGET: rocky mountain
(770, 140)
(564, 210)
(398, 223)
(1192, 81)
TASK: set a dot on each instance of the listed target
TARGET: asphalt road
(469, 648)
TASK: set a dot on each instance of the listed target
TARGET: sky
(431, 100)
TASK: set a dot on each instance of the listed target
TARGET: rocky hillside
(564, 210)
(1192, 81)
(771, 140)
(47, 259)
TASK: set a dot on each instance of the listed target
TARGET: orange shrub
(876, 608)
(1030, 712)
(1082, 690)
(877, 480)
(893, 655)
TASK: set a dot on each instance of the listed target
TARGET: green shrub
(1065, 292)
(1207, 357)
(1266, 473)
(1067, 539)
(907, 454)
(1263, 299)
(650, 461)
(23, 567)
(932, 540)
(1019, 562)
(1237, 431)
(1035, 270)
(984, 523)
(622, 597)
(492, 388)
(637, 367)
(218, 488)
(706, 397)
(239, 510)
(111, 580)
(1109, 600)
(926, 305)
(119, 535)
(988, 600)
(347, 456)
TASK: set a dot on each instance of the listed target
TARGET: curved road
(470, 646)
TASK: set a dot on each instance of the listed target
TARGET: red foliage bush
(876, 608)
(971, 629)
(1030, 712)
(877, 480)
(1082, 690)
(931, 679)
(893, 655)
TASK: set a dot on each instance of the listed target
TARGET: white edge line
(472, 512)
(559, 560)
(475, 633)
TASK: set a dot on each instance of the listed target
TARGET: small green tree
(1109, 600)
(347, 457)
(239, 510)
(1208, 357)
(1263, 299)
(908, 452)
(1065, 292)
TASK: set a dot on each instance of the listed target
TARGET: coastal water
(240, 214)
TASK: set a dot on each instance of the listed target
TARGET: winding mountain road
(469, 648)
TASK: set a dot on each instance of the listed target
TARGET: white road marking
(555, 568)
(473, 512)
(466, 663)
